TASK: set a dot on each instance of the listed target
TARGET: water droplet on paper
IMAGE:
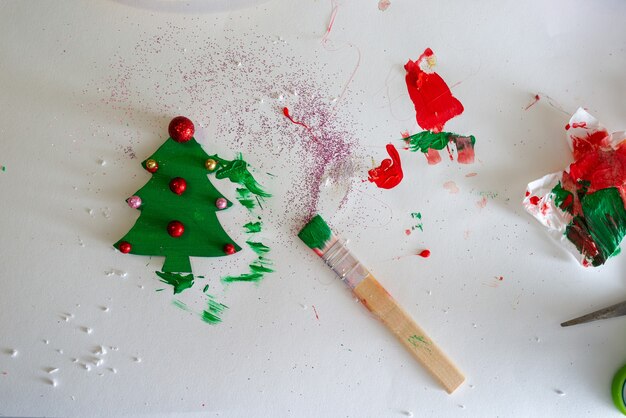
(113, 370)
(559, 392)
(53, 370)
(407, 413)
(115, 272)
(87, 330)
(102, 162)
(60, 350)
(137, 359)
(53, 382)
(46, 342)
(14, 353)
(100, 351)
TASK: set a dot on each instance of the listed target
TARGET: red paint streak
(407, 231)
(449, 152)
(431, 96)
(333, 14)
(432, 156)
(288, 116)
(471, 174)
(576, 125)
(316, 315)
(424, 253)
(534, 200)
(389, 174)
(536, 99)
(405, 134)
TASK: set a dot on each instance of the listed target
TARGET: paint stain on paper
(531, 104)
(383, 5)
(451, 187)
(417, 216)
(424, 253)
(482, 202)
(419, 341)
(178, 281)
(389, 174)
(430, 143)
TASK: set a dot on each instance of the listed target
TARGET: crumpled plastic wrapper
(585, 135)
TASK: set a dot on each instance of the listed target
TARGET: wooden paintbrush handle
(383, 305)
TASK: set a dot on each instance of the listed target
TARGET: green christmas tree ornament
(178, 205)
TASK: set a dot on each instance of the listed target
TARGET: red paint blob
(389, 174)
(536, 99)
(288, 116)
(424, 253)
(407, 231)
(181, 129)
(229, 249)
(534, 200)
(431, 96)
(178, 185)
(125, 247)
(175, 229)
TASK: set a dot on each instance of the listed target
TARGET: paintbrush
(319, 237)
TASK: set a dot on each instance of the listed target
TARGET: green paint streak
(205, 288)
(204, 236)
(178, 281)
(563, 198)
(180, 304)
(252, 227)
(211, 315)
(316, 233)
(423, 141)
(418, 341)
(258, 247)
(259, 268)
(247, 277)
(606, 219)
(237, 172)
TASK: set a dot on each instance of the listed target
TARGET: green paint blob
(606, 220)
(258, 247)
(252, 227)
(316, 233)
(211, 315)
(237, 172)
(178, 281)
(563, 198)
(195, 208)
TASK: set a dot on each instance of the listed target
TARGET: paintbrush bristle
(316, 234)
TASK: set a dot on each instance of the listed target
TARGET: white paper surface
(84, 86)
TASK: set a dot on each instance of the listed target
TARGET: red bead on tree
(229, 249)
(175, 229)
(178, 185)
(181, 129)
(125, 247)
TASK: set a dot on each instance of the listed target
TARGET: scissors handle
(617, 390)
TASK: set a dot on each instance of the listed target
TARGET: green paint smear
(316, 233)
(180, 304)
(415, 339)
(205, 288)
(204, 236)
(178, 281)
(563, 198)
(258, 247)
(606, 220)
(237, 172)
(211, 315)
(423, 141)
(247, 277)
(252, 227)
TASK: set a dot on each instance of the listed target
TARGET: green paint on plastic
(618, 387)
(563, 198)
(178, 281)
(316, 233)
(606, 219)
(211, 315)
(252, 227)
(204, 235)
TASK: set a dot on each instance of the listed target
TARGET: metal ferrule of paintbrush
(339, 258)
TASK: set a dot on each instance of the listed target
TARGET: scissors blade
(612, 311)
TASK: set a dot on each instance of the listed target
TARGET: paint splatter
(288, 116)
(212, 314)
(531, 104)
(424, 253)
(383, 5)
(315, 310)
(451, 187)
(417, 216)
(178, 281)
(389, 174)
(252, 227)
(431, 96)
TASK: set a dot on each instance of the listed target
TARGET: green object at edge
(617, 390)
